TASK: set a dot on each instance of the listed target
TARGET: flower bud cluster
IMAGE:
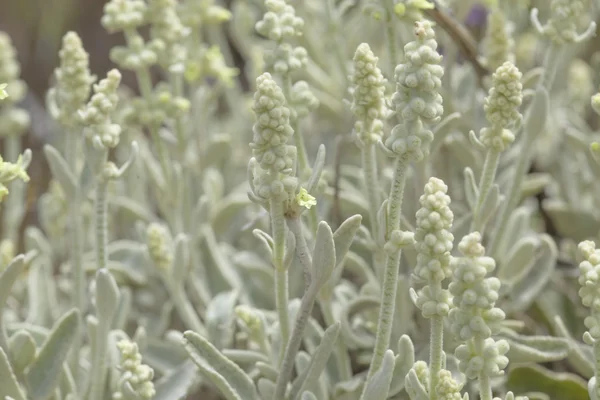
(9, 172)
(167, 29)
(447, 388)
(501, 107)
(13, 120)
(209, 62)
(161, 106)
(138, 54)
(195, 13)
(474, 317)
(96, 115)
(73, 79)
(160, 246)
(134, 374)
(124, 15)
(302, 100)
(589, 280)
(499, 45)
(417, 99)
(434, 244)
(368, 104)
(566, 19)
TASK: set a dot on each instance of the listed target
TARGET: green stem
(391, 35)
(101, 224)
(390, 281)
(99, 363)
(13, 207)
(184, 308)
(487, 179)
(485, 386)
(435, 353)
(287, 366)
(281, 274)
(526, 155)
(302, 251)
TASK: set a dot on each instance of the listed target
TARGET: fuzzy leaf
(525, 291)
(574, 224)
(8, 278)
(471, 190)
(580, 356)
(414, 387)
(491, 203)
(308, 396)
(231, 380)
(22, 350)
(181, 258)
(519, 261)
(323, 254)
(220, 318)
(266, 388)
(176, 384)
(538, 349)
(310, 376)
(557, 385)
(8, 381)
(45, 371)
(535, 120)
(403, 362)
(344, 235)
(378, 386)
(107, 295)
(61, 171)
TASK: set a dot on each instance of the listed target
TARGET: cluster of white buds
(13, 120)
(160, 245)
(136, 378)
(417, 99)
(124, 15)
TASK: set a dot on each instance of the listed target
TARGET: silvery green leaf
(181, 258)
(8, 380)
(129, 259)
(576, 224)
(352, 339)
(36, 240)
(491, 203)
(471, 190)
(124, 308)
(220, 319)
(135, 209)
(526, 290)
(86, 181)
(22, 350)
(61, 171)
(176, 383)
(378, 386)
(7, 280)
(344, 235)
(518, 223)
(107, 295)
(308, 396)
(266, 388)
(265, 239)
(349, 202)
(462, 150)
(245, 356)
(221, 263)
(414, 387)
(538, 349)
(519, 261)
(537, 113)
(231, 380)
(323, 254)
(349, 389)
(317, 170)
(581, 357)
(44, 373)
(267, 370)
(534, 184)
(223, 212)
(309, 377)
(218, 151)
(403, 362)
(163, 356)
(555, 385)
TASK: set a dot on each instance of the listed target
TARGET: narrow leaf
(8, 381)
(378, 386)
(44, 373)
(344, 235)
(231, 380)
(323, 254)
(60, 171)
(176, 384)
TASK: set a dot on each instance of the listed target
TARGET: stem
(487, 179)
(390, 281)
(302, 251)
(101, 224)
(287, 366)
(485, 386)
(526, 155)
(281, 275)
(98, 371)
(435, 352)
(342, 358)
(391, 35)
(185, 309)
(13, 209)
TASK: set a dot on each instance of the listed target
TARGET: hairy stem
(485, 184)
(281, 274)
(435, 353)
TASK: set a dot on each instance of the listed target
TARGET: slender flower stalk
(417, 101)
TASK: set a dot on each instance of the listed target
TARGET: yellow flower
(304, 199)
(3, 93)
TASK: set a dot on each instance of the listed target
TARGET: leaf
(471, 190)
(535, 120)
(557, 385)
(574, 224)
(403, 362)
(378, 386)
(323, 254)
(519, 261)
(44, 373)
(538, 349)
(231, 380)
(414, 387)
(8, 381)
(181, 258)
(220, 319)
(266, 388)
(61, 171)
(176, 384)
(526, 290)
(344, 235)
(107, 295)
(308, 396)
(22, 350)
(309, 377)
